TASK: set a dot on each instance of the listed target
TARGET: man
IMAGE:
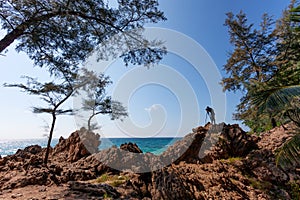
(211, 113)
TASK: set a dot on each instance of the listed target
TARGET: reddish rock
(28, 151)
(176, 174)
(78, 145)
(187, 149)
(131, 147)
(99, 190)
(232, 142)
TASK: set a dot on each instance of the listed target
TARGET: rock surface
(133, 148)
(80, 144)
(231, 141)
(231, 165)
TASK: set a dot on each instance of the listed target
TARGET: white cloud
(153, 107)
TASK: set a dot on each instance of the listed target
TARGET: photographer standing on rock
(211, 113)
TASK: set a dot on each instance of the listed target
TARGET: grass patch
(102, 178)
(117, 183)
(113, 180)
(261, 185)
(231, 160)
(106, 196)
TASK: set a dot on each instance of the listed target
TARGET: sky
(166, 100)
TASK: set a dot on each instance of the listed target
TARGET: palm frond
(276, 98)
(289, 154)
(295, 14)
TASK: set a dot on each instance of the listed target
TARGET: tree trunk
(50, 138)
(34, 21)
(274, 123)
(10, 38)
(89, 122)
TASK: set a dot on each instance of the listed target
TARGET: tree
(98, 102)
(54, 94)
(295, 16)
(282, 96)
(68, 31)
(262, 58)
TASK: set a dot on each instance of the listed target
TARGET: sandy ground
(35, 192)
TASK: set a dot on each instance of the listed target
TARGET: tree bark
(10, 38)
(274, 123)
(50, 138)
(89, 122)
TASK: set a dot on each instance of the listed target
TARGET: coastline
(243, 167)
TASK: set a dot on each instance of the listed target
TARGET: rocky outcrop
(133, 148)
(241, 166)
(232, 142)
(26, 166)
(187, 149)
(218, 180)
(94, 189)
(79, 144)
(34, 149)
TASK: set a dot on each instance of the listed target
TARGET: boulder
(131, 147)
(187, 149)
(28, 151)
(232, 142)
(78, 145)
(98, 190)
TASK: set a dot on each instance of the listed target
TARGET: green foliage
(295, 190)
(261, 185)
(265, 66)
(54, 94)
(295, 14)
(102, 178)
(64, 33)
(288, 156)
(232, 160)
(97, 101)
(113, 180)
(116, 183)
(106, 196)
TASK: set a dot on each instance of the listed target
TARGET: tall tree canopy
(60, 35)
(264, 59)
(55, 32)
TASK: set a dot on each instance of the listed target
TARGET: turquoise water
(153, 145)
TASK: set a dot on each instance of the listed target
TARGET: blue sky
(156, 108)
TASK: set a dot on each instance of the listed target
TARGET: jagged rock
(26, 153)
(232, 142)
(217, 180)
(187, 149)
(78, 145)
(94, 189)
(176, 174)
(131, 147)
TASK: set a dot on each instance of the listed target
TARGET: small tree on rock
(54, 93)
(98, 102)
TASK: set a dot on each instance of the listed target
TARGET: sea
(152, 145)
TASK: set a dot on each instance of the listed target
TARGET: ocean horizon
(155, 145)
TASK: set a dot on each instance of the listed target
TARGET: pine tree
(262, 59)
(69, 31)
